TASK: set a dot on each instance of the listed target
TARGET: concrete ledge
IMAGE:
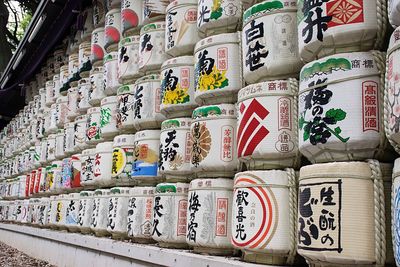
(65, 249)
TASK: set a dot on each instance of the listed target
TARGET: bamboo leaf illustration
(337, 114)
(338, 130)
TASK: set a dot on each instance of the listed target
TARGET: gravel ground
(11, 257)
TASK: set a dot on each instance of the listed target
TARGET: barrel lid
(73, 195)
(148, 78)
(183, 123)
(87, 152)
(109, 100)
(210, 184)
(119, 191)
(64, 68)
(336, 68)
(172, 188)
(178, 61)
(82, 117)
(270, 177)
(268, 7)
(83, 81)
(93, 110)
(269, 88)
(223, 38)
(69, 124)
(110, 56)
(124, 139)
(84, 44)
(155, 26)
(138, 191)
(177, 3)
(336, 169)
(104, 147)
(100, 29)
(86, 193)
(129, 40)
(113, 11)
(126, 89)
(101, 192)
(97, 69)
(147, 134)
(214, 112)
(394, 42)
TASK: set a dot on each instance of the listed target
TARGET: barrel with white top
(72, 211)
(333, 199)
(218, 69)
(87, 165)
(343, 125)
(145, 158)
(122, 159)
(50, 96)
(73, 69)
(110, 67)
(99, 220)
(99, 13)
(103, 164)
(181, 29)
(62, 111)
(213, 134)
(394, 13)
(93, 134)
(131, 16)
(214, 17)
(128, 59)
(125, 99)
(151, 48)
(118, 212)
(87, 28)
(331, 27)
(84, 88)
(209, 209)
(146, 108)
(69, 138)
(97, 81)
(79, 135)
(73, 102)
(175, 150)
(97, 47)
(51, 147)
(170, 214)
(264, 216)
(140, 214)
(64, 85)
(85, 64)
(177, 87)
(154, 10)
(396, 212)
(59, 147)
(85, 211)
(268, 125)
(269, 41)
(112, 29)
(108, 117)
(387, 177)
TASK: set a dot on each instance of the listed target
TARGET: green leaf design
(216, 14)
(337, 114)
(338, 130)
(224, 83)
(306, 134)
(301, 122)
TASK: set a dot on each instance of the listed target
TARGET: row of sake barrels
(258, 216)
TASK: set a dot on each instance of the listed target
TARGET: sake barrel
(52, 120)
(128, 59)
(269, 42)
(131, 16)
(59, 147)
(395, 207)
(218, 74)
(394, 12)
(42, 181)
(64, 85)
(170, 214)
(58, 220)
(55, 178)
(108, 120)
(118, 211)
(87, 163)
(80, 127)
(72, 212)
(50, 97)
(43, 211)
(76, 169)
(146, 156)
(51, 147)
(84, 88)
(85, 211)
(87, 28)
(264, 216)
(392, 93)
(152, 50)
(208, 209)
(112, 29)
(125, 99)
(213, 135)
(66, 174)
(333, 199)
(177, 87)
(387, 173)
(215, 17)
(181, 29)
(99, 13)
(97, 81)
(97, 47)
(154, 10)
(93, 135)
(73, 68)
(175, 150)
(111, 73)
(268, 140)
(73, 102)
(122, 159)
(85, 64)
(329, 27)
(146, 108)
(345, 125)
(69, 137)
(103, 164)
(99, 221)
(62, 111)
(140, 214)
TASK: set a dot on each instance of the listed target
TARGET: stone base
(173, 245)
(214, 251)
(263, 258)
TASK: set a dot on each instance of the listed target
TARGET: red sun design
(112, 35)
(97, 51)
(129, 19)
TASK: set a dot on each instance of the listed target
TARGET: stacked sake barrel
(341, 131)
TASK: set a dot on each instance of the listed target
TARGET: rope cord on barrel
(381, 17)
(294, 88)
(379, 213)
(292, 215)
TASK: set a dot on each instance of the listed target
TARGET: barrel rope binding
(386, 109)
(292, 215)
(294, 88)
(395, 248)
(382, 20)
(379, 213)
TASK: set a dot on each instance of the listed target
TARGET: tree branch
(15, 18)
